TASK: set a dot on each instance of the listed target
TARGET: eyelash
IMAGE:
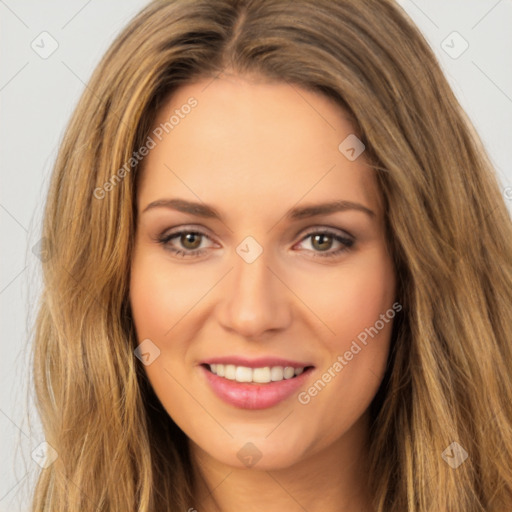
(164, 240)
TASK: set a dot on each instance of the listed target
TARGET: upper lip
(259, 362)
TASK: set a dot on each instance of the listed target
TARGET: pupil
(322, 242)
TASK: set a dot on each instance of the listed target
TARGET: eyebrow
(296, 213)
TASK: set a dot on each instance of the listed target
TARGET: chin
(257, 452)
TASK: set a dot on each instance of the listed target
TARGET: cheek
(368, 291)
(149, 302)
(356, 305)
(350, 297)
(358, 309)
(163, 300)
(159, 297)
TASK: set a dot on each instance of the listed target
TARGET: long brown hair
(448, 377)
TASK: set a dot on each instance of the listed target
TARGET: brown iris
(321, 238)
(191, 240)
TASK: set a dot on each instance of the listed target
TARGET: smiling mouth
(263, 375)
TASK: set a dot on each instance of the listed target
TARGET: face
(267, 314)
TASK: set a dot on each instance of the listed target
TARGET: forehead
(249, 142)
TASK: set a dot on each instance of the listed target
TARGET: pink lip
(260, 362)
(254, 396)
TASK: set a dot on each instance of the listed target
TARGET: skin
(253, 149)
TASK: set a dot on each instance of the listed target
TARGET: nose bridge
(255, 300)
(251, 280)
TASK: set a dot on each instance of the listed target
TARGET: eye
(189, 241)
(323, 240)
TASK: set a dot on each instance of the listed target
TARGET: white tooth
(288, 372)
(257, 375)
(230, 371)
(243, 374)
(261, 375)
(276, 373)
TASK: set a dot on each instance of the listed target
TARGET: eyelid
(325, 229)
(189, 228)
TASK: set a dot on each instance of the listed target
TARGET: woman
(280, 273)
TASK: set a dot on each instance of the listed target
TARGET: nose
(255, 300)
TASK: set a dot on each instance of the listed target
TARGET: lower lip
(254, 396)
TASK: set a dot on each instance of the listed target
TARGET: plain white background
(38, 95)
